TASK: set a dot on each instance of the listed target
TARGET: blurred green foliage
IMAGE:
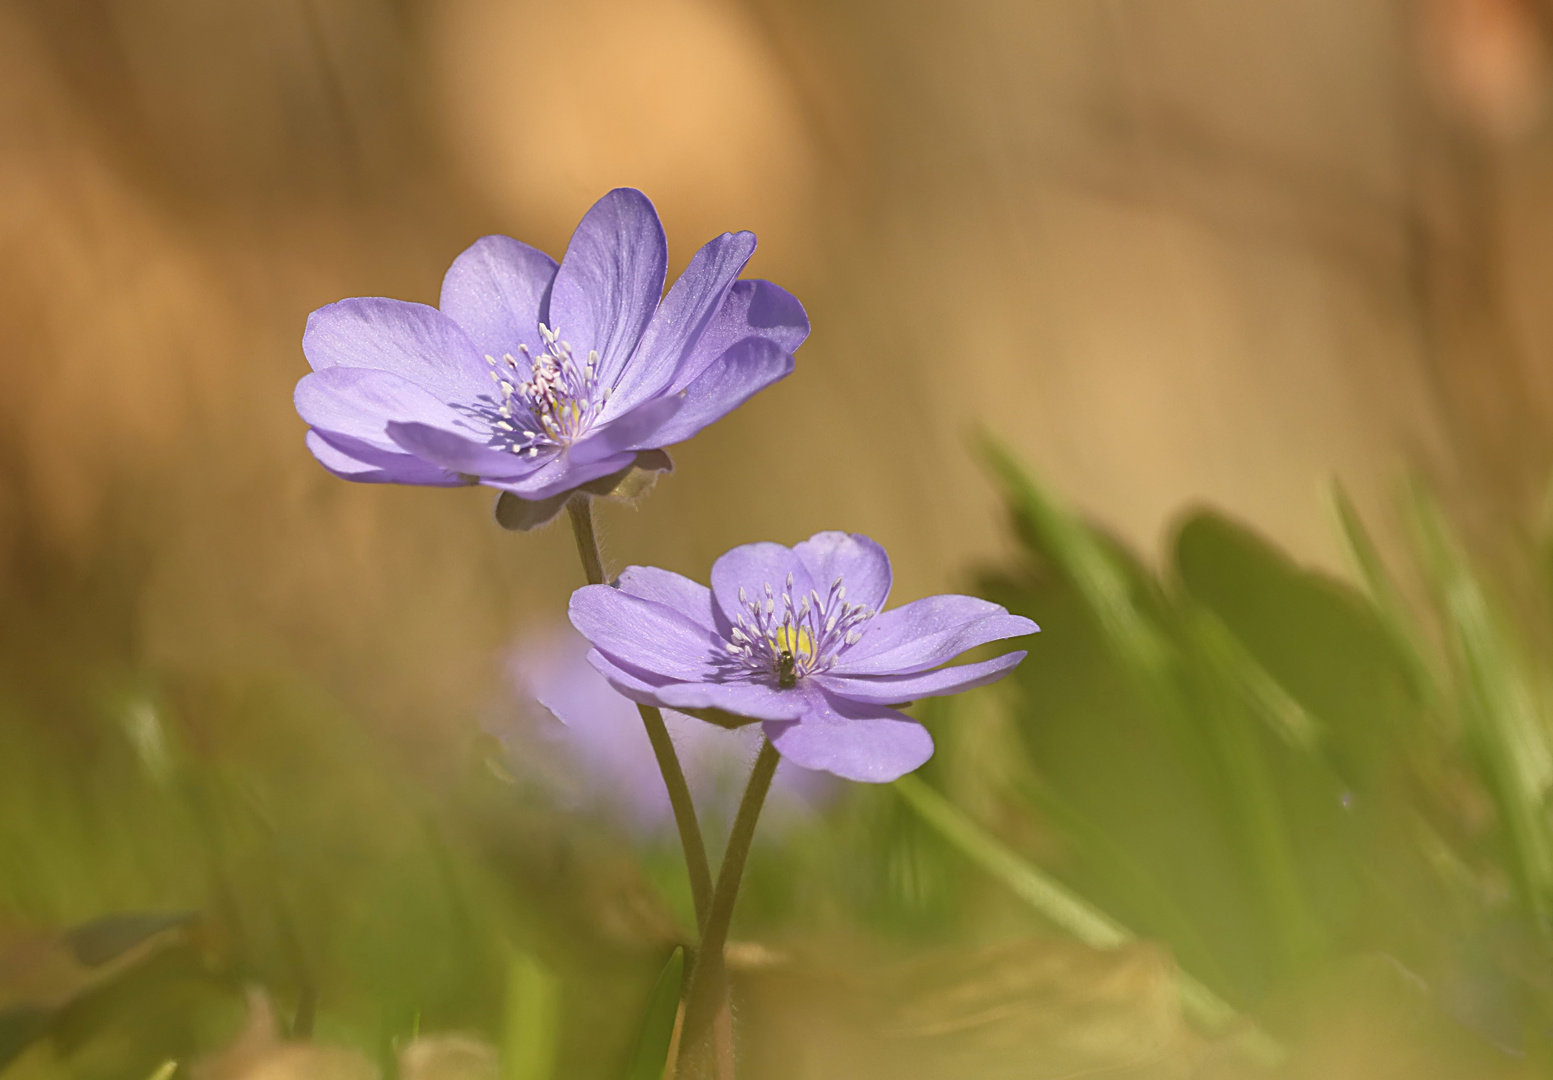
(1270, 771)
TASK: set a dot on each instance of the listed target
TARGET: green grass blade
(1389, 604)
(652, 1046)
(1069, 911)
(1091, 568)
(1265, 696)
(1504, 715)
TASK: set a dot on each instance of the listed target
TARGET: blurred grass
(1291, 784)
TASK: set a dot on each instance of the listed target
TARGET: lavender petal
(461, 454)
(897, 689)
(644, 634)
(352, 459)
(859, 562)
(754, 309)
(495, 290)
(689, 598)
(928, 632)
(560, 473)
(752, 567)
(732, 379)
(360, 403)
(610, 280)
(867, 743)
(671, 336)
(414, 341)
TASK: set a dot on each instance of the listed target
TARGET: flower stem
(579, 507)
(708, 979)
(684, 812)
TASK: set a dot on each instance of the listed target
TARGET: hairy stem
(708, 988)
(579, 507)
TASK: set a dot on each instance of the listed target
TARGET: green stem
(708, 979)
(580, 508)
(696, 866)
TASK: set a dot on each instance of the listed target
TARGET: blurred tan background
(1172, 252)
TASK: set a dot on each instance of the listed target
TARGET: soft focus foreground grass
(1326, 807)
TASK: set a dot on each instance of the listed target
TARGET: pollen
(786, 639)
(552, 398)
(796, 640)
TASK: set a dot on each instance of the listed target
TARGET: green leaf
(1313, 655)
(652, 1046)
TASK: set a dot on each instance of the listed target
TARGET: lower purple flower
(796, 638)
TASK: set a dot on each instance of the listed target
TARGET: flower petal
(634, 683)
(352, 459)
(731, 380)
(754, 309)
(636, 430)
(753, 567)
(671, 336)
(560, 473)
(755, 700)
(645, 634)
(496, 290)
(898, 689)
(414, 341)
(611, 280)
(361, 402)
(460, 453)
(689, 598)
(928, 632)
(862, 565)
(868, 743)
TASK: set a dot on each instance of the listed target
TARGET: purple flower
(536, 378)
(599, 753)
(796, 637)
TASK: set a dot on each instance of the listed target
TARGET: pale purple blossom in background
(578, 737)
(536, 377)
(797, 638)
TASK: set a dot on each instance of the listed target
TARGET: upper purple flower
(536, 378)
(796, 637)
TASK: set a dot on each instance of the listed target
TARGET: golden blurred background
(1171, 252)
(1197, 251)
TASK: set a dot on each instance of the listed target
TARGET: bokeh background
(1168, 254)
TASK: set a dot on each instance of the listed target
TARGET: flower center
(778, 636)
(555, 405)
